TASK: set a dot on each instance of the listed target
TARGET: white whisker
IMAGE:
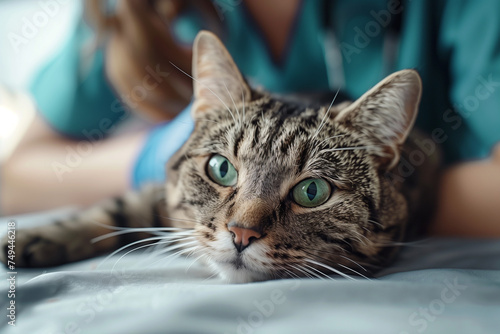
(144, 246)
(325, 116)
(135, 243)
(211, 276)
(159, 247)
(291, 273)
(166, 250)
(354, 271)
(359, 236)
(302, 270)
(211, 91)
(136, 249)
(348, 259)
(176, 254)
(316, 270)
(195, 260)
(376, 223)
(330, 268)
(161, 231)
(315, 275)
(127, 246)
(231, 97)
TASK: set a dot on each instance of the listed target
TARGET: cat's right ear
(218, 84)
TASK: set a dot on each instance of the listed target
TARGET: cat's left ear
(218, 82)
(386, 114)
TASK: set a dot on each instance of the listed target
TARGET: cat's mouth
(240, 269)
(238, 262)
(240, 265)
(237, 271)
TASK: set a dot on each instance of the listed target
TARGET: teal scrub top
(454, 44)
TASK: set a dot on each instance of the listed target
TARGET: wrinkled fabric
(436, 286)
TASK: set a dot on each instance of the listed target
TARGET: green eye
(222, 171)
(311, 192)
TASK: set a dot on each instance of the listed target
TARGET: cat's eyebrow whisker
(322, 123)
(231, 97)
(330, 268)
(211, 91)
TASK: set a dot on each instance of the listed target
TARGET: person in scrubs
(69, 155)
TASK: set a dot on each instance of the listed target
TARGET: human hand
(139, 50)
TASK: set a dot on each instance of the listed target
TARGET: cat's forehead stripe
(239, 137)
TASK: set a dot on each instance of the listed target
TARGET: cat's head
(282, 190)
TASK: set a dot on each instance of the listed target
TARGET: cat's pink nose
(242, 237)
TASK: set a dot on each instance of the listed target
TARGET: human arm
(469, 199)
(47, 171)
(469, 195)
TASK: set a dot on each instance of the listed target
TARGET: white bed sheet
(436, 286)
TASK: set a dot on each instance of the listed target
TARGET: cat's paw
(33, 249)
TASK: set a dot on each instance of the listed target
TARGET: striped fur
(273, 144)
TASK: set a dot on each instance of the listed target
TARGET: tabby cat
(265, 188)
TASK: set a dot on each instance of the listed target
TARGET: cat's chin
(231, 274)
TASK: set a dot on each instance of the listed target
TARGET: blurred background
(31, 31)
